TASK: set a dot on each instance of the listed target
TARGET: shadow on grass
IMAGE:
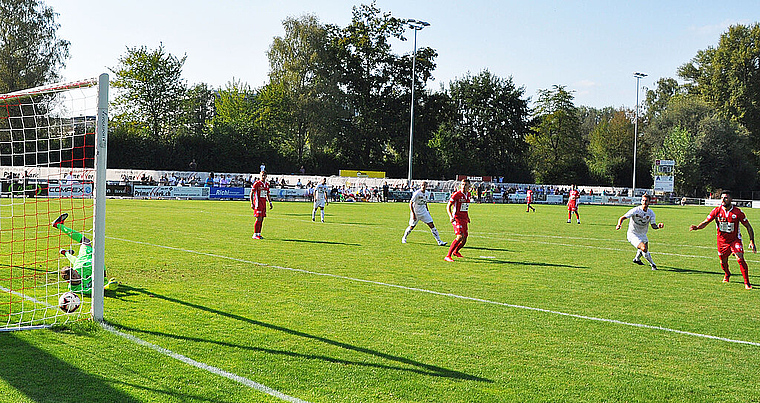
(418, 367)
(320, 242)
(42, 377)
(480, 260)
(487, 249)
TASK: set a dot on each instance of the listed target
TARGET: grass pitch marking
(187, 360)
(445, 294)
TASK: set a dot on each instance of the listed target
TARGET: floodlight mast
(416, 25)
(638, 76)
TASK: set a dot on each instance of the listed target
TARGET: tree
(374, 86)
(197, 110)
(681, 146)
(728, 77)
(30, 51)
(611, 150)
(295, 62)
(657, 99)
(557, 148)
(487, 130)
(152, 91)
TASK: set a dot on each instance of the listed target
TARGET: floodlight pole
(416, 26)
(638, 76)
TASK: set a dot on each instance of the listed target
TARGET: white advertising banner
(663, 175)
(76, 190)
(170, 192)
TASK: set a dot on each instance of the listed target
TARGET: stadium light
(638, 76)
(416, 25)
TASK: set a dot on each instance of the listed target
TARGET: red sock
(453, 247)
(744, 269)
(569, 215)
(257, 226)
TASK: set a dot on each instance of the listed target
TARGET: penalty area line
(462, 297)
(169, 353)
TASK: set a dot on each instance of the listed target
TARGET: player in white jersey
(642, 217)
(320, 199)
(419, 212)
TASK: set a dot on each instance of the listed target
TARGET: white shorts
(423, 216)
(319, 204)
(636, 239)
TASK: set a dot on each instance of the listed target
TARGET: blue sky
(591, 47)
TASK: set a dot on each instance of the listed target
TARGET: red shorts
(727, 248)
(572, 206)
(460, 227)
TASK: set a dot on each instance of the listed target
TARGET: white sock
(323, 214)
(313, 213)
(649, 258)
(408, 230)
(435, 234)
(638, 254)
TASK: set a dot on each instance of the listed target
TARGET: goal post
(53, 151)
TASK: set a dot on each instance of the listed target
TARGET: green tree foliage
(296, 75)
(31, 53)
(487, 130)
(657, 99)
(610, 147)
(151, 91)
(373, 124)
(557, 147)
(681, 146)
(197, 110)
(728, 77)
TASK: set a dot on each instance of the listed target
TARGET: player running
(320, 199)
(259, 198)
(572, 204)
(419, 212)
(79, 274)
(727, 218)
(458, 205)
(641, 218)
(529, 200)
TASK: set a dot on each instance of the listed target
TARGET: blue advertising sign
(226, 193)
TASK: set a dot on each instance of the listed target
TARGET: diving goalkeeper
(79, 274)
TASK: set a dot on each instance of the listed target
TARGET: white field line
(639, 325)
(206, 367)
(179, 357)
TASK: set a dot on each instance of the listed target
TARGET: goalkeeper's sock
(73, 234)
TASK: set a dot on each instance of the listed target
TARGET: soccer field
(537, 310)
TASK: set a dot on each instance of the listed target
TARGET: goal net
(52, 164)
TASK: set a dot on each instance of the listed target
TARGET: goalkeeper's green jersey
(82, 263)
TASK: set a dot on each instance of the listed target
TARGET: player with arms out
(458, 207)
(320, 199)
(259, 198)
(727, 218)
(79, 274)
(641, 218)
(572, 204)
(419, 212)
(529, 200)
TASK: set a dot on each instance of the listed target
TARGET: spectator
(302, 171)
(262, 167)
(193, 165)
(210, 180)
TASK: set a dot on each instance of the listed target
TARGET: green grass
(289, 311)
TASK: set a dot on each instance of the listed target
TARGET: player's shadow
(415, 366)
(321, 242)
(482, 260)
(488, 249)
(35, 269)
(39, 376)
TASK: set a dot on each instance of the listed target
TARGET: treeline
(338, 97)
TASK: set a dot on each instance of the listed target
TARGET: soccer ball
(69, 302)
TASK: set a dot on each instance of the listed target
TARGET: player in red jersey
(459, 204)
(572, 204)
(727, 217)
(259, 198)
(529, 200)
